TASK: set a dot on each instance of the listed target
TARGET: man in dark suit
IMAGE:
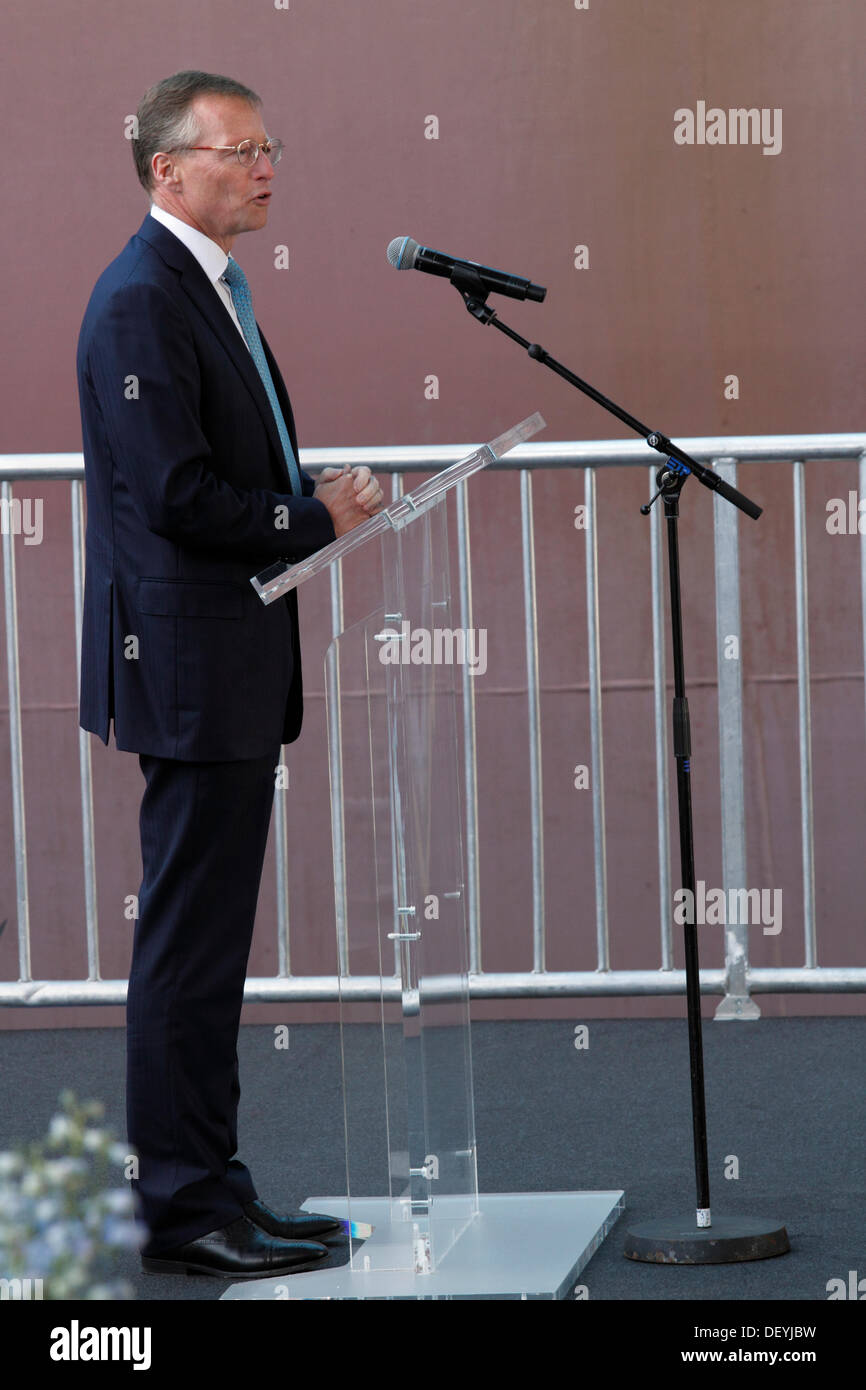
(192, 486)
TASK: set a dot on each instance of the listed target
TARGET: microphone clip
(473, 291)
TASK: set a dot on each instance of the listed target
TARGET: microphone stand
(680, 1239)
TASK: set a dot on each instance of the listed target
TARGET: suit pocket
(182, 598)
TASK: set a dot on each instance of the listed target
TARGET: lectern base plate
(520, 1245)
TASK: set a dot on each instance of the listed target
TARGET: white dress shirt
(212, 259)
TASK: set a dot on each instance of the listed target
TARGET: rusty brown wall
(555, 130)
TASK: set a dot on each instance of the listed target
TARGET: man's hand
(350, 495)
(368, 489)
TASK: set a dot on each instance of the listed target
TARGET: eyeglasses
(247, 151)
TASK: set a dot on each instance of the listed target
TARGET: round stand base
(678, 1241)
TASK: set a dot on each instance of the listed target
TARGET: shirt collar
(212, 259)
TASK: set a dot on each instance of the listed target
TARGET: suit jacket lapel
(198, 287)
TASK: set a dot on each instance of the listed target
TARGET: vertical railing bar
(284, 965)
(85, 765)
(804, 713)
(660, 717)
(595, 724)
(13, 676)
(335, 765)
(535, 789)
(736, 1003)
(862, 494)
(470, 747)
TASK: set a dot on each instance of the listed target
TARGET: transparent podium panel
(395, 686)
(395, 682)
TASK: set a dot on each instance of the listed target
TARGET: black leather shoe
(298, 1225)
(240, 1250)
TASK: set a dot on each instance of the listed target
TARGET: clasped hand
(351, 495)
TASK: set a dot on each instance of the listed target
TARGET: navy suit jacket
(186, 484)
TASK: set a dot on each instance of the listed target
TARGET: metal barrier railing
(737, 981)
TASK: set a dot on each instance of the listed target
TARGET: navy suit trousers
(204, 829)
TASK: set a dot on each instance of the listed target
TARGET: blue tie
(243, 302)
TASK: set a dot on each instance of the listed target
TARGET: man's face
(209, 189)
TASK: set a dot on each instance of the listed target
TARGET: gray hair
(166, 119)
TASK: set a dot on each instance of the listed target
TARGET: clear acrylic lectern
(394, 690)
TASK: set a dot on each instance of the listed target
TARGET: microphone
(406, 254)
